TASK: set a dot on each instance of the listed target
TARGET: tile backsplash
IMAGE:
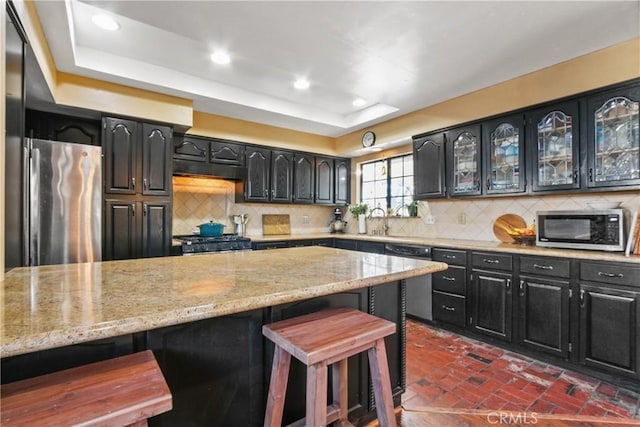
(198, 200)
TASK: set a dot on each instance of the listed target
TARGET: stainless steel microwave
(601, 230)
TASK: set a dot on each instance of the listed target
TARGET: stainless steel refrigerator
(63, 202)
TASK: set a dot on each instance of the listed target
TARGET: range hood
(208, 170)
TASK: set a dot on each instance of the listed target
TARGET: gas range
(193, 244)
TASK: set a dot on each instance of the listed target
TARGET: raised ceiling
(398, 56)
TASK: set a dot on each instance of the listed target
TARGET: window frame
(402, 210)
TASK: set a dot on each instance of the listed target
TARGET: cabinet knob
(446, 307)
(543, 267)
(133, 209)
(450, 279)
(144, 184)
(133, 183)
(490, 261)
(521, 288)
(614, 275)
(581, 297)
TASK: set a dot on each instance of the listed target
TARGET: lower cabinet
(136, 228)
(543, 320)
(491, 304)
(609, 330)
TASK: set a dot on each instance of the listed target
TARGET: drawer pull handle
(543, 267)
(449, 256)
(446, 307)
(616, 275)
(450, 279)
(491, 261)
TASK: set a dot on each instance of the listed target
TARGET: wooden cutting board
(506, 222)
(275, 224)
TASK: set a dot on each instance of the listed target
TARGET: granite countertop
(464, 245)
(52, 306)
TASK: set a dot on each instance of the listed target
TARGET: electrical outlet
(431, 219)
(305, 219)
(462, 218)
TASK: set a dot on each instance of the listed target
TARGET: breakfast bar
(202, 316)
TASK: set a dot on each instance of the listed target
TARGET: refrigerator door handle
(26, 191)
(34, 214)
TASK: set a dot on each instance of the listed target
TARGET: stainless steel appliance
(63, 202)
(419, 298)
(192, 244)
(586, 229)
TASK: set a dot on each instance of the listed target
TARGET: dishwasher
(418, 288)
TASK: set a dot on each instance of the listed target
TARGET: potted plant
(413, 208)
(359, 211)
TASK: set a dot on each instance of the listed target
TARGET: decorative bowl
(525, 240)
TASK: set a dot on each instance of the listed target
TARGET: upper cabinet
(256, 186)
(554, 147)
(342, 169)
(613, 123)
(463, 161)
(324, 180)
(428, 166)
(304, 178)
(137, 158)
(504, 169)
(281, 176)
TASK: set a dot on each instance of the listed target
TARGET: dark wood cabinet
(214, 369)
(226, 152)
(503, 141)
(553, 139)
(193, 148)
(57, 127)
(201, 149)
(258, 163)
(342, 181)
(348, 244)
(281, 176)
(613, 138)
(544, 315)
(464, 166)
(304, 178)
(429, 166)
(609, 330)
(491, 304)
(137, 158)
(324, 180)
(137, 228)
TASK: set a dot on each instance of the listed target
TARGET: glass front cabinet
(503, 139)
(554, 147)
(463, 161)
(613, 131)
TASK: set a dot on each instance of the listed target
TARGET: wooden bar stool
(326, 338)
(124, 391)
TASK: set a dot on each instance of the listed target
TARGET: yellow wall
(224, 127)
(597, 69)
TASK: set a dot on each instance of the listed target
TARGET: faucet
(385, 225)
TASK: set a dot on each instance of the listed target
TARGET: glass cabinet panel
(555, 150)
(504, 143)
(617, 139)
(465, 163)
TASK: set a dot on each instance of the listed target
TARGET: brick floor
(446, 370)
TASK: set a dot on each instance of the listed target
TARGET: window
(388, 184)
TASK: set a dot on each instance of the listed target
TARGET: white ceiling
(399, 56)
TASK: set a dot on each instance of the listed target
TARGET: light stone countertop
(52, 306)
(464, 245)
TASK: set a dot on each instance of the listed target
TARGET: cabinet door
(343, 181)
(609, 331)
(491, 304)
(428, 167)
(544, 315)
(258, 162)
(503, 141)
(190, 148)
(463, 161)
(121, 156)
(226, 152)
(281, 176)
(156, 228)
(553, 139)
(324, 181)
(156, 160)
(121, 230)
(304, 172)
(613, 138)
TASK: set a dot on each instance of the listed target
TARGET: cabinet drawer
(610, 273)
(545, 266)
(491, 261)
(449, 308)
(449, 256)
(452, 280)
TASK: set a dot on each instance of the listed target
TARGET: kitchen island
(202, 316)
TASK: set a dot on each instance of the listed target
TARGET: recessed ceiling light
(220, 57)
(359, 102)
(301, 84)
(105, 22)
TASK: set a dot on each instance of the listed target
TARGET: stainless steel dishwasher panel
(419, 297)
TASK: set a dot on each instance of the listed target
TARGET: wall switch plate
(305, 219)
(430, 219)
